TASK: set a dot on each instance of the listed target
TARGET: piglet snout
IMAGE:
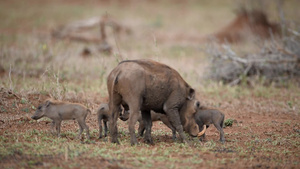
(34, 117)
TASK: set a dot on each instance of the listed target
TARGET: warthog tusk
(202, 132)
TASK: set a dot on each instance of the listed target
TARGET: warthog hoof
(134, 142)
(115, 141)
(149, 141)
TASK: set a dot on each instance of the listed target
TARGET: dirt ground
(262, 136)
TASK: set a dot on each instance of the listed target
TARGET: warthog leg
(141, 128)
(114, 111)
(58, 124)
(173, 116)
(83, 126)
(52, 127)
(132, 121)
(222, 139)
(105, 128)
(146, 115)
(80, 130)
(100, 125)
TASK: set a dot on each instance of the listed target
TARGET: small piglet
(58, 111)
(204, 117)
(103, 115)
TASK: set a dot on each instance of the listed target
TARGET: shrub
(228, 122)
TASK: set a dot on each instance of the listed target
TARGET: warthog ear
(191, 94)
(48, 102)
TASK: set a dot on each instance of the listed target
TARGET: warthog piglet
(58, 111)
(204, 117)
(103, 115)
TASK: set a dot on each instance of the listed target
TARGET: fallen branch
(77, 31)
(236, 81)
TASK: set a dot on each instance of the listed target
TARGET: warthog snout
(123, 118)
(34, 117)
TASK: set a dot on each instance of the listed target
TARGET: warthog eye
(40, 107)
(198, 104)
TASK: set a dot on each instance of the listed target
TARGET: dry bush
(274, 62)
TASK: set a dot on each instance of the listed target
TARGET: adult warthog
(145, 85)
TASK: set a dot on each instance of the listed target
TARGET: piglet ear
(191, 94)
(48, 102)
